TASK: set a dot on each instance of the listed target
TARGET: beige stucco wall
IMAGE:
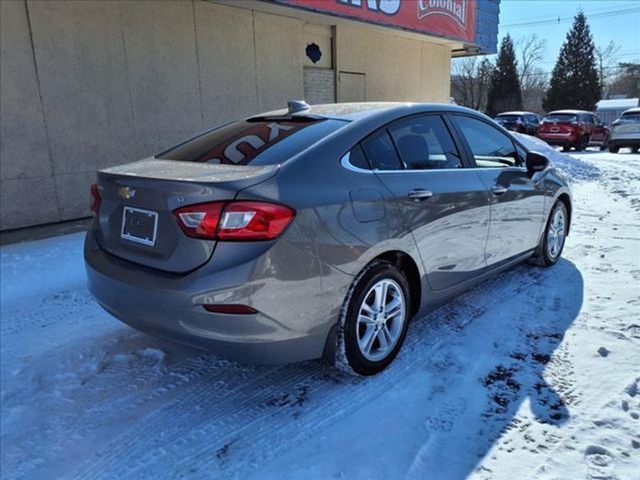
(89, 84)
(395, 68)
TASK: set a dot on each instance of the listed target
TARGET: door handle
(499, 189)
(419, 194)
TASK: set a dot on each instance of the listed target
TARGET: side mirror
(536, 162)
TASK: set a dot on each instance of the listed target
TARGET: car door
(599, 133)
(444, 203)
(517, 200)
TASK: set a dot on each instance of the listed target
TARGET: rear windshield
(561, 117)
(630, 117)
(508, 118)
(255, 142)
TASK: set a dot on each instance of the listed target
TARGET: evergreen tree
(504, 92)
(575, 82)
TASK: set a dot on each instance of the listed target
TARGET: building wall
(86, 85)
(394, 67)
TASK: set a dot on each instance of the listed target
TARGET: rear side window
(357, 158)
(254, 142)
(380, 151)
(424, 143)
(490, 147)
(508, 118)
(586, 118)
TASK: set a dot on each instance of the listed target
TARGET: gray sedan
(319, 231)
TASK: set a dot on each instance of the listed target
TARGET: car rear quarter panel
(344, 219)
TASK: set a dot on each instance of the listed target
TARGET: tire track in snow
(244, 412)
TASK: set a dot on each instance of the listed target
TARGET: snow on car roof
(516, 113)
(568, 112)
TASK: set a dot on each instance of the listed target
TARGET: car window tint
(380, 151)
(424, 143)
(357, 158)
(490, 147)
(562, 117)
(255, 142)
(508, 118)
(631, 117)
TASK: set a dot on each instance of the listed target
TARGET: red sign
(446, 18)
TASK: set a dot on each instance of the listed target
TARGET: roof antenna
(296, 106)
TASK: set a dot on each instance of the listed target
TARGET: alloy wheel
(380, 319)
(556, 233)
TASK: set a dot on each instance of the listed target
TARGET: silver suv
(625, 131)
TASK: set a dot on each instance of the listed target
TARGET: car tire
(634, 149)
(582, 144)
(368, 340)
(566, 148)
(605, 144)
(551, 244)
(613, 149)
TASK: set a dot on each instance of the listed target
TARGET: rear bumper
(624, 139)
(620, 143)
(560, 139)
(170, 307)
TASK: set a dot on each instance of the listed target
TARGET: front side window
(424, 143)
(254, 142)
(380, 151)
(490, 147)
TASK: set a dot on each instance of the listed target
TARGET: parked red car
(573, 128)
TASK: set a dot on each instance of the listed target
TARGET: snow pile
(573, 168)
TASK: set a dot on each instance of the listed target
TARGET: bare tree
(530, 51)
(606, 58)
(533, 80)
(470, 80)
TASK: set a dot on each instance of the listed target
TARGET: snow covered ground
(532, 375)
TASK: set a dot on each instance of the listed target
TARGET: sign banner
(454, 19)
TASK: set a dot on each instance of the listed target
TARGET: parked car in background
(573, 129)
(319, 231)
(609, 110)
(625, 131)
(521, 122)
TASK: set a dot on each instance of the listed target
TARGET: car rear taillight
(235, 220)
(94, 206)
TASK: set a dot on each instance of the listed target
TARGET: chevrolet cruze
(319, 231)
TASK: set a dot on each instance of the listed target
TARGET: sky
(610, 20)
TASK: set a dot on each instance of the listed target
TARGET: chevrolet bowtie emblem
(126, 193)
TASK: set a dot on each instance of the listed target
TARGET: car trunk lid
(136, 221)
(559, 124)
